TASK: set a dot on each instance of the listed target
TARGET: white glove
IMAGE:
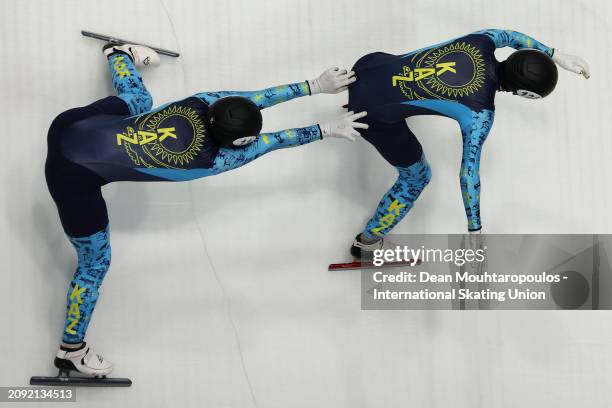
(572, 63)
(333, 80)
(344, 127)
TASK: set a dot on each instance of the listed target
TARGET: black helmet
(528, 73)
(233, 121)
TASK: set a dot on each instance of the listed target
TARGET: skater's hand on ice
(333, 80)
(345, 126)
(572, 63)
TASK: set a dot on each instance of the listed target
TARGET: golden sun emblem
(447, 86)
(178, 141)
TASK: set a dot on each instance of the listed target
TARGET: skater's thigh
(77, 193)
(394, 141)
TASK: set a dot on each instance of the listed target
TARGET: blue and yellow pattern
(516, 40)
(94, 257)
(264, 98)
(474, 135)
(128, 83)
(396, 203)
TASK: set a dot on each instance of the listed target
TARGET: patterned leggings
(400, 147)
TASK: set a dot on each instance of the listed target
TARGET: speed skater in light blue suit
(120, 138)
(457, 79)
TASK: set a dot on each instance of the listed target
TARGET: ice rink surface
(218, 294)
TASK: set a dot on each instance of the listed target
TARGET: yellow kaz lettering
(74, 313)
(120, 67)
(418, 74)
(132, 137)
(393, 211)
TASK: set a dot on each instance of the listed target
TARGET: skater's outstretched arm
(333, 80)
(344, 127)
(474, 135)
(263, 98)
(232, 158)
(515, 39)
(227, 159)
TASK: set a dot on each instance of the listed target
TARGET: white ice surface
(218, 294)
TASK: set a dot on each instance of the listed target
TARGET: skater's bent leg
(398, 201)
(94, 257)
(84, 217)
(128, 83)
(400, 147)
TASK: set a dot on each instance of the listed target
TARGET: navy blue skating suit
(457, 79)
(120, 138)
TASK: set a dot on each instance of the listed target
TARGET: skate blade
(356, 265)
(119, 41)
(81, 381)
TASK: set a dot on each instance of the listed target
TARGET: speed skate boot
(364, 251)
(82, 360)
(140, 55)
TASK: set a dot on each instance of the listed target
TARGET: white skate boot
(140, 55)
(82, 360)
(365, 251)
(363, 256)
